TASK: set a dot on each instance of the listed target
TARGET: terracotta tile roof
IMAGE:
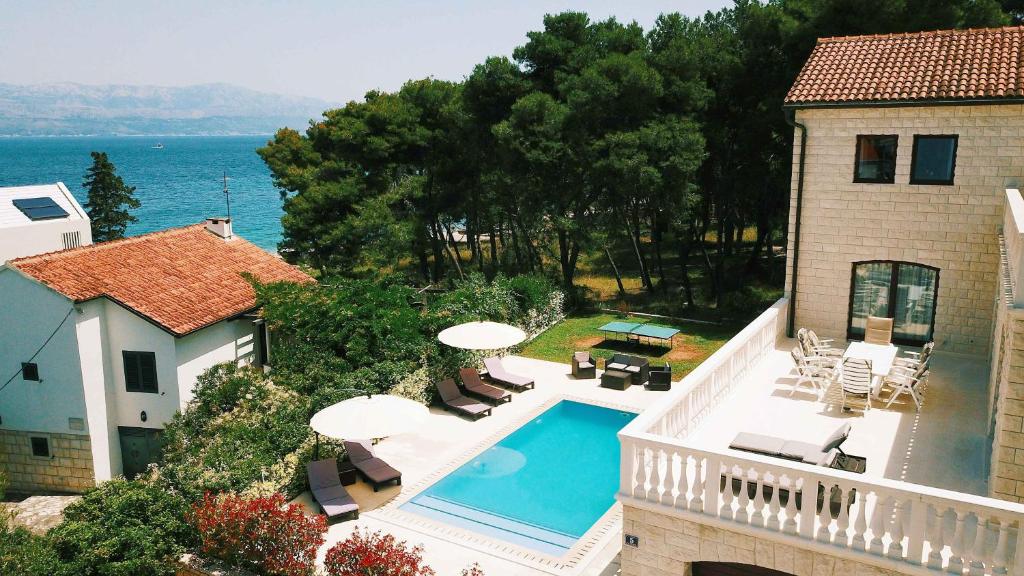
(182, 279)
(941, 65)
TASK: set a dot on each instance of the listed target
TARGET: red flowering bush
(259, 534)
(375, 554)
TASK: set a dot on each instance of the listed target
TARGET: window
(934, 159)
(139, 371)
(30, 371)
(40, 446)
(903, 291)
(876, 159)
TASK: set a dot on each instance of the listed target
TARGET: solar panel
(39, 208)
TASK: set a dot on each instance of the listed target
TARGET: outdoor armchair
(660, 377)
(325, 484)
(583, 365)
(373, 469)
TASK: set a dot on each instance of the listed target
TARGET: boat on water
(158, 146)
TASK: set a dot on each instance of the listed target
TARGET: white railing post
(916, 533)
(626, 459)
(712, 479)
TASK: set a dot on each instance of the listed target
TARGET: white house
(105, 342)
(40, 219)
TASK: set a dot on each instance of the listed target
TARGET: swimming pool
(542, 486)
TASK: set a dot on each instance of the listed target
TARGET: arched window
(903, 291)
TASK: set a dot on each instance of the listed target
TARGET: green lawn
(693, 344)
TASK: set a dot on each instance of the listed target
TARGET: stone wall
(668, 546)
(1006, 385)
(952, 227)
(69, 469)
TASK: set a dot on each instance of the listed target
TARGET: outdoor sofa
(474, 385)
(637, 366)
(453, 399)
(373, 469)
(325, 484)
(583, 365)
(496, 372)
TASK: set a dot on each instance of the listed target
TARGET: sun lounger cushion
(817, 454)
(757, 443)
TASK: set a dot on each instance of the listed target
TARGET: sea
(181, 183)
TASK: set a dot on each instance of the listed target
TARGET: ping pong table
(634, 331)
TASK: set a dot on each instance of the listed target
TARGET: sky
(332, 50)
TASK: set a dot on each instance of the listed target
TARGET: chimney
(220, 226)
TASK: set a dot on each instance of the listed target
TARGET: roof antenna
(227, 194)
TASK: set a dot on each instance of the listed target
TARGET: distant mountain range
(205, 109)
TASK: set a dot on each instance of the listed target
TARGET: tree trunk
(634, 236)
(615, 269)
(684, 263)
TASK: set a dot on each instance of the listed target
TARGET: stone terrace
(944, 446)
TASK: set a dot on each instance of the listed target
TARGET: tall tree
(109, 200)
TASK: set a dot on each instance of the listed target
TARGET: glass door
(900, 290)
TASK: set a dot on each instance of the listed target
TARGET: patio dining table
(881, 356)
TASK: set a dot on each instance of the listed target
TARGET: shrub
(25, 554)
(263, 535)
(239, 430)
(123, 528)
(375, 554)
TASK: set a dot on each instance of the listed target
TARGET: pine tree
(109, 200)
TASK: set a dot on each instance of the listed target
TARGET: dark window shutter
(131, 371)
(147, 371)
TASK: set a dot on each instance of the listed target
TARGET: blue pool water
(177, 185)
(542, 486)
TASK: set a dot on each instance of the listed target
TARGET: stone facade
(954, 228)
(1006, 385)
(68, 470)
(668, 547)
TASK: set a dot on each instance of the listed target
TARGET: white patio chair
(878, 330)
(855, 379)
(823, 346)
(811, 348)
(915, 359)
(811, 370)
(905, 380)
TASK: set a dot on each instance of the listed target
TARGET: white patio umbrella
(369, 417)
(481, 336)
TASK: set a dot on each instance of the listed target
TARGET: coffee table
(616, 379)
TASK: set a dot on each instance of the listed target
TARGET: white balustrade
(887, 519)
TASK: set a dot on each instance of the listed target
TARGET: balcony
(918, 506)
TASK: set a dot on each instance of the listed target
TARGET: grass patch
(693, 344)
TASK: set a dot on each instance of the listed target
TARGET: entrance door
(903, 291)
(140, 447)
(732, 569)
